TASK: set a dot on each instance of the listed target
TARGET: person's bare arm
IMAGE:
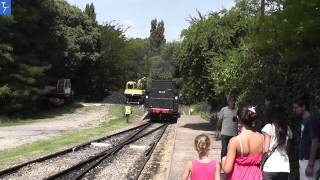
(218, 130)
(227, 162)
(187, 171)
(312, 157)
(219, 123)
(217, 175)
(267, 138)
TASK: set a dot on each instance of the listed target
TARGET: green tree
(202, 56)
(156, 38)
(41, 42)
(113, 43)
(136, 50)
(90, 11)
(22, 67)
(159, 59)
(256, 50)
(76, 47)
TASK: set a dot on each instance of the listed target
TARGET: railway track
(91, 162)
(44, 166)
(130, 160)
(104, 165)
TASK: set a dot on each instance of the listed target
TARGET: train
(162, 101)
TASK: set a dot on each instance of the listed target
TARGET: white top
(278, 161)
(229, 128)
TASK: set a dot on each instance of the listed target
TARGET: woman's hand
(223, 161)
(309, 170)
(228, 161)
(218, 135)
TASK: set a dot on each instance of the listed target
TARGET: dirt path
(13, 136)
(188, 127)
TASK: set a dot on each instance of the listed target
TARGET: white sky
(137, 14)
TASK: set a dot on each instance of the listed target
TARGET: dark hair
(277, 118)
(231, 98)
(247, 117)
(303, 101)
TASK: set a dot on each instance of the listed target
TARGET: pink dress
(203, 171)
(246, 167)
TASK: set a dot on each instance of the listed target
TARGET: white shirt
(279, 160)
(229, 128)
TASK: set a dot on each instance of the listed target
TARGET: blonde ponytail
(202, 145)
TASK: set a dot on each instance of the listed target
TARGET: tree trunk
(262, 9)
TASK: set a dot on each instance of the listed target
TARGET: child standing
(202, 168)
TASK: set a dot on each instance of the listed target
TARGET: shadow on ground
(57, 111)
(200, 126)
(48, 113)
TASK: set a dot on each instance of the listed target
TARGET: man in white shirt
(228, 124)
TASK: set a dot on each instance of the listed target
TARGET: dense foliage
(258, 50)
(256, 53)
(46, 40)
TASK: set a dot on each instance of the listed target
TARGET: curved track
(22, 171)
(89, 168)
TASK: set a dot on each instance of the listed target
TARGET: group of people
(249, 153)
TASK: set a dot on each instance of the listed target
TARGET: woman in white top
(276, 135)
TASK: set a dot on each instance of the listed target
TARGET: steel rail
(94, 161)
(63, 152)
(149, 152)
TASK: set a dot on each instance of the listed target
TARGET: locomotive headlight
(176, 97)
(147, 97)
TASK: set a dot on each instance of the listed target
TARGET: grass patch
(65, 139)
(60, 110)
(138, 111)
(196, 109)
(192, 109)
(117, 110)
(53, 144)
(15, 122)
(205, 116)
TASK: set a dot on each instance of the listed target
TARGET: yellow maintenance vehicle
(135, 91)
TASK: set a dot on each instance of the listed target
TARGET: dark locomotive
(162, 101)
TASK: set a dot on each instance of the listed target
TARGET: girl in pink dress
(245, 150)
(202, 168)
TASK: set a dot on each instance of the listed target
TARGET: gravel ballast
(51, 166)
(127, 162)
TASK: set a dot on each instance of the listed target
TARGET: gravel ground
(52, 166)
(14, 136)
(125, 164)
(158, 165)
